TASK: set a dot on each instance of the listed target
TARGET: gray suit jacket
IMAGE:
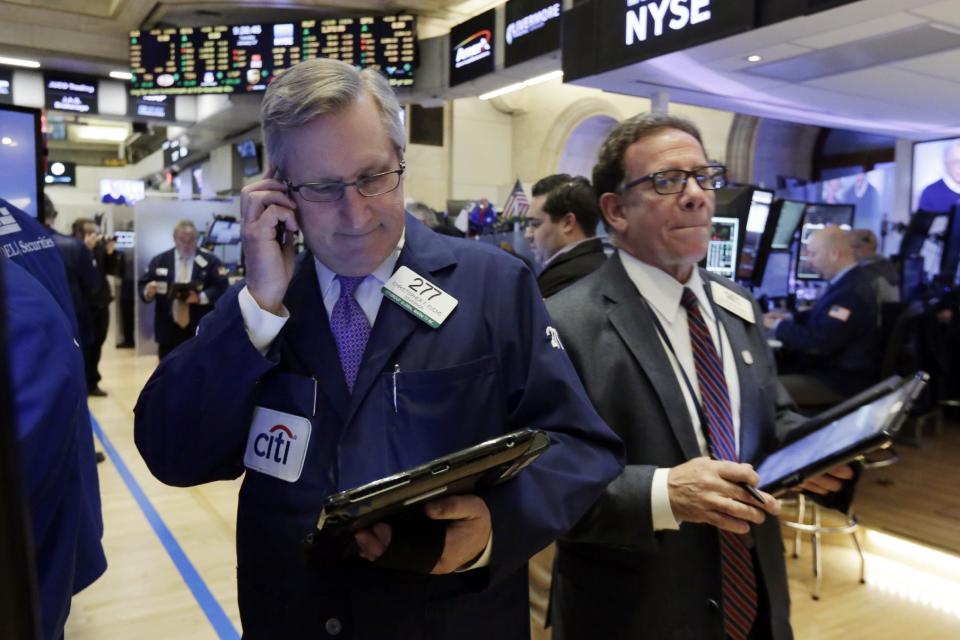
(615, 576)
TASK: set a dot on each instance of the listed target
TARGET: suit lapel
(307, 338)
(750, 401)
(631, 318)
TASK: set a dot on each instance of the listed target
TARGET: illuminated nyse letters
(675, 14)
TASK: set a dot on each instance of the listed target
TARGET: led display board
(471, 48)
(532, 28)
(76, 94)
(245, 58)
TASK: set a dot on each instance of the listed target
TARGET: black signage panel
(6, 86)
(64, 173)
(76, 94)
(471, 48)
(630, 31)
(245, 58)
(151, 107)
(532, 28)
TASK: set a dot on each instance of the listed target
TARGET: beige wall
(489, 144)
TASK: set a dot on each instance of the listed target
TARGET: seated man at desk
(835, 343)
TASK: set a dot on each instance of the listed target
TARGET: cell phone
(281, 233)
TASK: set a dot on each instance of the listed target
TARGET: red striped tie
(737, 577)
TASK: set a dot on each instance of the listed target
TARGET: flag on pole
(517, 203)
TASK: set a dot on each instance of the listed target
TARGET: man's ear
(569, 222)
(613, 211)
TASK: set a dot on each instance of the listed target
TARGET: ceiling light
(543, 78)
(6, 140)
(100, 134)
(510, 88)
(121, 75)
(754, 58)
(19, 62)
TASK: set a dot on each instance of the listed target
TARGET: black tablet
(463, 472)
(852, 432)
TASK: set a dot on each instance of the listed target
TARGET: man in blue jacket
(366, 383)
(54, 436)
(836, 343)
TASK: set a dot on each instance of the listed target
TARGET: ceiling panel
(947, 11)
(859, 31)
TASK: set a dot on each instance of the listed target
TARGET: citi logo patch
(277, 444)
(8, 224)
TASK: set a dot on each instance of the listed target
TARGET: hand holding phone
(265, 205)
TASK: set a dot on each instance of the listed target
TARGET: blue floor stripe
(211, 608)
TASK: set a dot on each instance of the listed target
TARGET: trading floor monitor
(787, 214)
(755, 244)
(722, 249)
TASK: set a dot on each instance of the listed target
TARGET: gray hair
(320, 86)
(423, 213)
(608, 173)
(184, 224)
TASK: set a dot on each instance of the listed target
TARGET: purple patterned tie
(738, 581)
(350, 327)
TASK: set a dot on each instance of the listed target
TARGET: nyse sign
(650, 18)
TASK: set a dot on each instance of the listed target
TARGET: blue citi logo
(272, 445)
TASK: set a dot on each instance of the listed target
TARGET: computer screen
(776, 277)
(125, 239)
(119, 191)
(757, 217)
(936, 165)
(249, 158)
(224, 232)
(816, 217)
(722, 250)
(21, 158)
(791, 212)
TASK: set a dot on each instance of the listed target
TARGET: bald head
(863, 243)
(829, 251)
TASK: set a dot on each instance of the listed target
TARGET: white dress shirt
(663, 292)
(263, 327)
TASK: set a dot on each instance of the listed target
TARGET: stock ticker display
(245, 58)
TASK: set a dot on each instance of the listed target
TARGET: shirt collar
(179, 256)
(567, 249)
(662, 291)
(382, 273)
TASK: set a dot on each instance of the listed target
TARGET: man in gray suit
(675, 361)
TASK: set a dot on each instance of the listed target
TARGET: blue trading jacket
(492, 367)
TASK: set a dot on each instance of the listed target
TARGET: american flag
(517, 203)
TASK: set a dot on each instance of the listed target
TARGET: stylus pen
(752, 490)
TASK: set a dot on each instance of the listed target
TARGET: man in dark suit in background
(107, 262)
(179, 310)
(885, 276)
(836, 344)
(561, 225)
(674, 360)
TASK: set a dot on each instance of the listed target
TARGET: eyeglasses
(671, 181)
(369, 186)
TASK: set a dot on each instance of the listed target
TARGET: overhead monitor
(21, 158)
(65, 92)
(249, 158)
(471, 48)
(154, 107)
(752, 246)
(532, 29)
(246, 57)
(816, 217)
(722, 249)
(6, 86)
(61, 173)
(789, 214)
(936, 175)
(116, 191)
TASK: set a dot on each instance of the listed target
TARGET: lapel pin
(747, 356)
